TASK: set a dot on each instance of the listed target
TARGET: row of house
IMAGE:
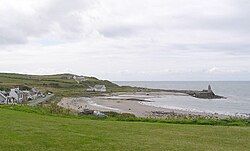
(97, 88)
(17, 96)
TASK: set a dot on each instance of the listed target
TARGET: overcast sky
(127, 40)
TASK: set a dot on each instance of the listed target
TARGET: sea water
(237, 95)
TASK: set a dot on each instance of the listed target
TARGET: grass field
(31, 131)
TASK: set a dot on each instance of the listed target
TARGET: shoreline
(132, 103)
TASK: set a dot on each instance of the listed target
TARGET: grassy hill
(61, 84)
(30, 131)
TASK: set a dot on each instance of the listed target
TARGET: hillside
(30, 131)
(61, 84)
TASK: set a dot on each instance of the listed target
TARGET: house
(79, 79)
(4, 93)
(33, 91)
(28, 95)
(100, 88)
(3, 98)
(10, 100)
(97, 88)
(18, 95)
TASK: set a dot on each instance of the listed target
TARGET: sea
(237, 93)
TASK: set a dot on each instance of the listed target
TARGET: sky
(145, 40)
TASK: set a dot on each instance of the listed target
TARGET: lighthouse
(209, 89)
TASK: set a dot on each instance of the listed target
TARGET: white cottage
(17, 94)
(80, 78)
(97, 88)
(100, 88)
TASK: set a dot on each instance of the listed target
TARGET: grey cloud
(120, 31)
(16, 26)
(227, 47)
(233, 24)
(237, 21)
(58, 8)
(11, 37)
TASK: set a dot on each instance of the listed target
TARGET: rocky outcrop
(204, 94)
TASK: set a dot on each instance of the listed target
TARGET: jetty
(203, 94)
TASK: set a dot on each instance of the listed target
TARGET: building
(79, 79)
(100, 88)
(3, 98)
(97, 88)
(17, 94)
(28, 95)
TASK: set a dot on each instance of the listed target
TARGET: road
(40, 100)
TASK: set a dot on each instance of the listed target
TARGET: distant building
(79, 79)
(29, 95)
(3, 98)
(97, 88)
(100, 88)
(18, 95)
(4, 93)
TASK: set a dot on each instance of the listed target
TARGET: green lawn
(30, 131)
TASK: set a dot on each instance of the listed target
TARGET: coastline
(132, 103)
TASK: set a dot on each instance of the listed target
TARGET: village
(17, 96)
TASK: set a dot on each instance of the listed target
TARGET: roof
(3, 96)
(99, 86)
(17, 90)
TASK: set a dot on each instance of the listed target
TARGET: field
(31, 131)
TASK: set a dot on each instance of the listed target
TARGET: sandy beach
(130, 103)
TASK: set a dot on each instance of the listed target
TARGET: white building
(6, 99)
(100, 88)
(79, 79)
(17, 94)
(97, 88)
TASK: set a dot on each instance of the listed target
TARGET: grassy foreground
(31, 131)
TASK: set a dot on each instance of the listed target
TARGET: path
(40, 100)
